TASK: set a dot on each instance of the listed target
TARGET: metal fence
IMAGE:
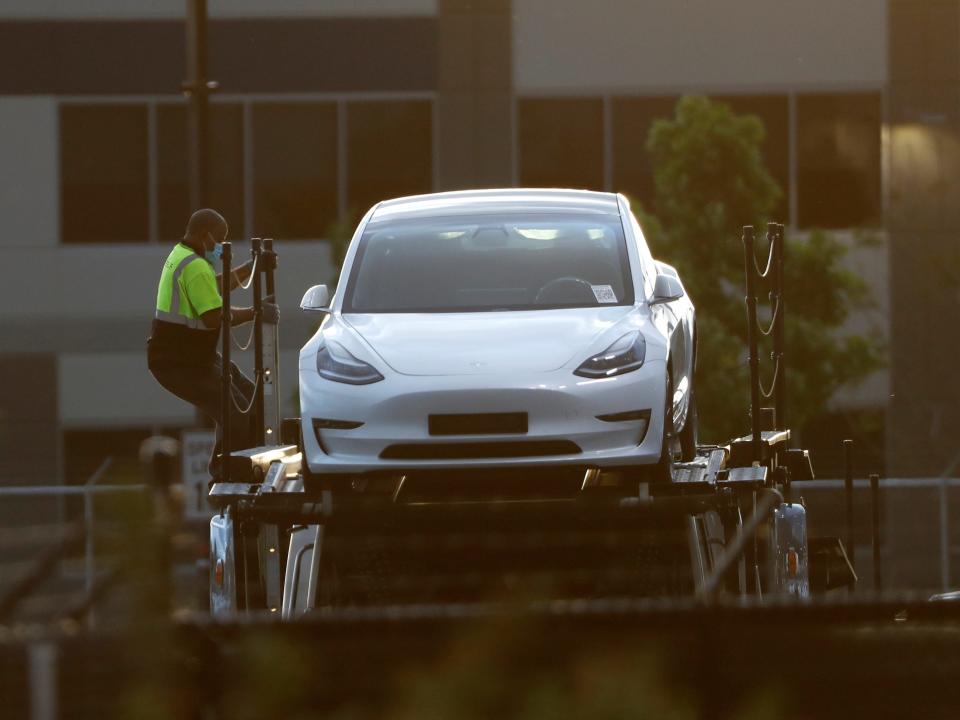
(576, 660)
(775, 660)
(39, 556)
(919, 532)
(919, 528)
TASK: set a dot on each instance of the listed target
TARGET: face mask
(213, 256)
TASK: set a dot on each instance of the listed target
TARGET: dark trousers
(200, 386)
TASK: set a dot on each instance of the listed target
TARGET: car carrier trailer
(288, 542)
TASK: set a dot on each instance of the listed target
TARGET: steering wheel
(566, 289)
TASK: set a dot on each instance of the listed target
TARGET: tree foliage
(710, 181)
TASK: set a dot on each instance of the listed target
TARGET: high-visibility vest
(188, 289)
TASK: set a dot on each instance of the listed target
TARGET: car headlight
(625, 355)
(335, 363)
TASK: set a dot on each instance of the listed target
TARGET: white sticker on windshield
(604, 293)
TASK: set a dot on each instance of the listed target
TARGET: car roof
(509, 200)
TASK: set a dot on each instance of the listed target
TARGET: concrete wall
(83, 282)
(923, 219)
(115, 390)
(93, 306)
(29, 199)
(668, 45)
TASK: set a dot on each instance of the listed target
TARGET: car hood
(484, 342)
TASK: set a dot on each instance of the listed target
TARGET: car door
(671, 319)
(684, 357)
(680, 324)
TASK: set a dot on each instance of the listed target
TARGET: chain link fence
(573, 621)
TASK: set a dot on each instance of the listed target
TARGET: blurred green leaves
(710, 181)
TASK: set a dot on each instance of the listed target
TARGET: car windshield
(490, 263)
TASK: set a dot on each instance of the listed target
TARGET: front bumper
(562, 408)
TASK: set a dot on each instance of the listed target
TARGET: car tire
(688, 436)
(662, 472)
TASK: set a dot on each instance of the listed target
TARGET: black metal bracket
(226, 393)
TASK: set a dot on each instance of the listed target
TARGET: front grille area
(479, 450)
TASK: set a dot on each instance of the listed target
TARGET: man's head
(205, 228)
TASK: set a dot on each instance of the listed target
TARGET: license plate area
(479, 424)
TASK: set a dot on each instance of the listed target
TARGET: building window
(389, 151)
(275, 166)
(295, 169)
(561, 143)
(774, 113)
(226, 192)
(103, 173)
(838, 160)
(632, 119)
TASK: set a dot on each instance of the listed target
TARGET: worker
(182, 349)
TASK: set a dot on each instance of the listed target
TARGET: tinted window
(632, 120)
(295, 169)
(561, 143)
(173, 173)
(103, 173)
(838, 153)
(774, 112)
(389, 151)
(487, 263)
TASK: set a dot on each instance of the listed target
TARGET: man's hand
(269, 257)
(270, 311)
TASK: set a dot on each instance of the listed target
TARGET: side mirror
(316, 299)
(666, 288)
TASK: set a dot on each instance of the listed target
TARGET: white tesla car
(499, 329)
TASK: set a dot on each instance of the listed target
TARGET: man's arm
(238, 275)
(238, 316)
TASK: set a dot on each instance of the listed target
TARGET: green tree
(710, 181)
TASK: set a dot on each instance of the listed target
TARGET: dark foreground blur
(572, 661)
(846, 657)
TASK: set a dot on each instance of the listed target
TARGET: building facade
(325, 108)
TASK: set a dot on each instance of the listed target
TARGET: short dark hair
(205, 221)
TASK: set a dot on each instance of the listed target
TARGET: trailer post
(875, 507)
(848, 499)
(269, 266)
(751, 300)
(226, 397)
(258, 424)
(271, 377)
(736, 545)
(779, 323)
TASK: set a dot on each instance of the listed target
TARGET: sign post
(196, 447)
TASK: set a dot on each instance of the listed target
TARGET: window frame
(245, 227)
(614, 220)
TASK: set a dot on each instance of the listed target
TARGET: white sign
(196, 447)
(604, 293)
